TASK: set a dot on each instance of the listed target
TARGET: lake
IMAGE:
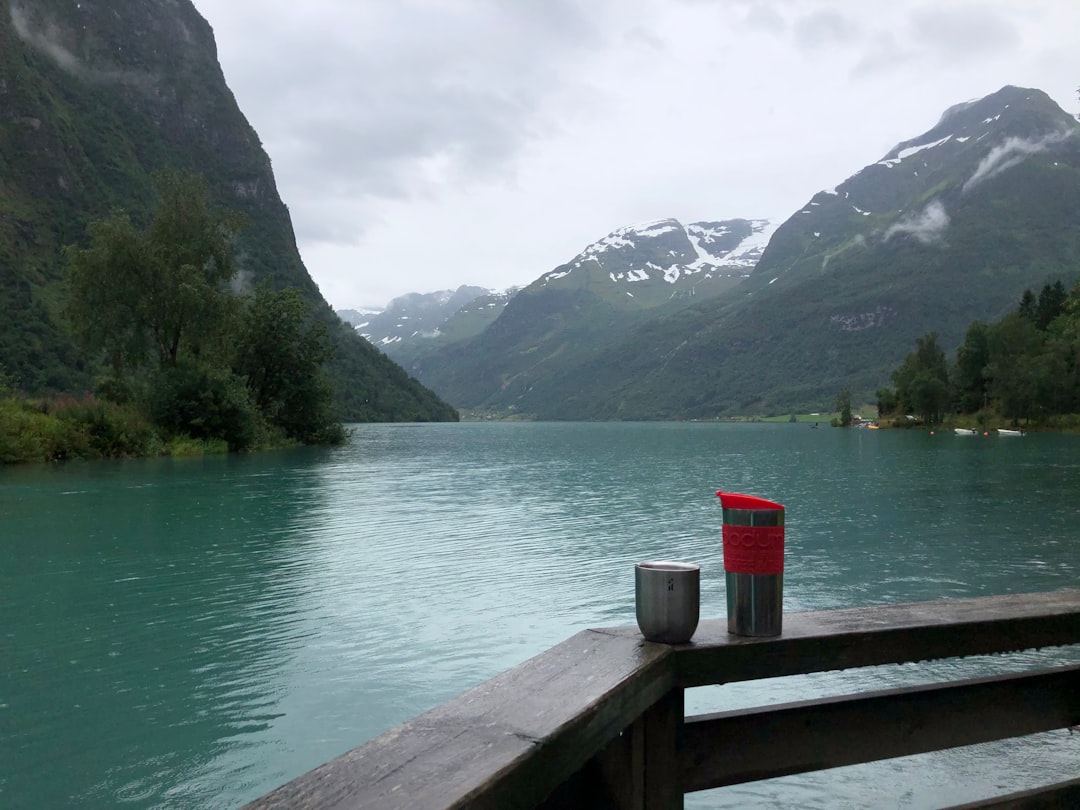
(182, 633)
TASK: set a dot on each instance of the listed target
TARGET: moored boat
(1008, 432)
(965, 431)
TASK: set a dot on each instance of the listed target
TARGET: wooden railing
(598, 721)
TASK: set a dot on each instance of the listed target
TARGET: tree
(1025, 366)
(158, 292)
(280, 350)
(969, 376)
(843, 405)
(922, 381)
(1051, 304)
(887, 402)
(1028, 305)
(209, 365)
(1013, 344)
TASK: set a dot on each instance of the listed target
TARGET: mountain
(411, 317)
(648, 265)
(94, 98)
(568, 314)
(416, 325)
(354, 317)
(948, 227)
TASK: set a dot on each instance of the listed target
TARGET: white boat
(1007, 432)
(965, 431)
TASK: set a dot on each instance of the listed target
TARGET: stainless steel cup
(668, 599)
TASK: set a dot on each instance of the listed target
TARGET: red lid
(732, 500)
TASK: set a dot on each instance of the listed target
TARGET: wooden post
(660, 742)
(641, 769)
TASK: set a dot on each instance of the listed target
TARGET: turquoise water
(193, 632)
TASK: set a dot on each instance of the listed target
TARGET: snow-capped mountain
(946, 228)
(657, 260)
(635, 267)
(915, 192)
(415, 319)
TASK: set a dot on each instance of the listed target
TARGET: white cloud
(46, 40)
(1009, 153)
(928, 226)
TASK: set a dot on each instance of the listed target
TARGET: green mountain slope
(94, 97)
(570, 314)
(949, 227)
(929, 239)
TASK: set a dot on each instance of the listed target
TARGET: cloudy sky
(425, 144)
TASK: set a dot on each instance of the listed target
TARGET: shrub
(28, 434)
(204, 403)
(112, 431)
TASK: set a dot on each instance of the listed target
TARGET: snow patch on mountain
(700, 247)
(908, 151)
(624, 237)
(745, 254)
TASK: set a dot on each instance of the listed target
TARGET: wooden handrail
(597, 721)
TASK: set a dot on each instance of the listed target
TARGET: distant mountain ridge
(947, 228)
(649, 264)
(411, 316)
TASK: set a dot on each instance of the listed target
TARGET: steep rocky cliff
(96, 96)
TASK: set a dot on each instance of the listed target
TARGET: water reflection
(145, 616)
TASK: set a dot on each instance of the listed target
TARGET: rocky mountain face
(95, 97)
(948, 227)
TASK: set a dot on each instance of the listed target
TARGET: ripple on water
(206, 631)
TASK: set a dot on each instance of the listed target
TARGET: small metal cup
(668, 599)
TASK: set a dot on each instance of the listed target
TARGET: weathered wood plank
(858, 637)
(506, 743)
(742, 746)
(1062, 796)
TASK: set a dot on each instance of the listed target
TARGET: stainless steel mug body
(754, 604)
(667, 596)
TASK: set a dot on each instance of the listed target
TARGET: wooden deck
(598, 721)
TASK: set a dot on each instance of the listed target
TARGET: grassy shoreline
(68, 428)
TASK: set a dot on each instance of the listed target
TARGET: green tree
(922, 381)
(280, 351)
(156, 292)
(1014, 343)
(969, 376)
(204, 363)
(203, 402)
(887, 402)
(1028, 305)
(1026, 366)
(843, 406)
(1051, 304)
